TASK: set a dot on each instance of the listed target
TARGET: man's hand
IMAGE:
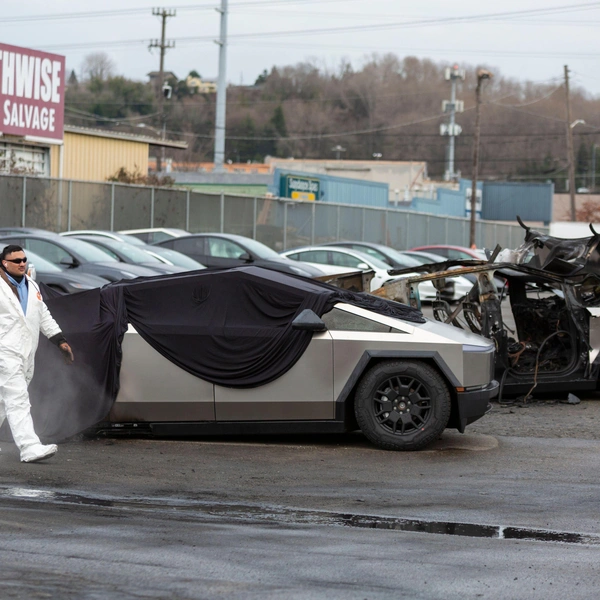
(67, 353)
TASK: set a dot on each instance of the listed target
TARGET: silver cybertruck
(400, 382)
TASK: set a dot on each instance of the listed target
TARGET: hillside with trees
(390, 106)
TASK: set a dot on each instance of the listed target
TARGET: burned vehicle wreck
(546, 321)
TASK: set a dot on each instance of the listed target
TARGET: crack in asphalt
(181, 508)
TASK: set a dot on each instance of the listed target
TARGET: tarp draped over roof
(230, 327)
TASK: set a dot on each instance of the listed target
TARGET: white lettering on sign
(8, 73)
(303, 185)
(30, 77)
(17, 114)
(24, 75)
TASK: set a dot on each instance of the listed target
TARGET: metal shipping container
(317, 187)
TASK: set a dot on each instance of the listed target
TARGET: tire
(388, 417)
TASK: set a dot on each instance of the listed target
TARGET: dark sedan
(227, 250)
(129, 254)
(164, 255)
(77, 255)
(66, 282)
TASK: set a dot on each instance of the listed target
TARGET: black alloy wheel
(402, 405)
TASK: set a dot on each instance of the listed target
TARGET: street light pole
(594, 146)
(219, 154)
(481, 75)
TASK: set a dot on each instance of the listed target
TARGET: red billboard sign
(32, 93)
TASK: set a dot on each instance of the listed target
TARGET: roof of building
(130, 137)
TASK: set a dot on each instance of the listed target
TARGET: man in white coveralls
(23, 314)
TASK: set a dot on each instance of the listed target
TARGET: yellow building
(200, 87)
(85, 154)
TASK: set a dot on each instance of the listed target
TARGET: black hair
(9, 250)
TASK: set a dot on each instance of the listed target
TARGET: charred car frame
(550, 341)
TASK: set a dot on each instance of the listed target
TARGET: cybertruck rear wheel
(402, 405)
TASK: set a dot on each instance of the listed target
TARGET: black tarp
(231, 327)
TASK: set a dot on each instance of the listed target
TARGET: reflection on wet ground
(182, 509)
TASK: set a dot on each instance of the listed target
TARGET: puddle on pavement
(210, 511)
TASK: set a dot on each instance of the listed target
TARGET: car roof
(105, 234)
(367, 244)
(326, 247)
(172, 230)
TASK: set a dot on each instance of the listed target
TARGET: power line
(125, 12)
(375, 26)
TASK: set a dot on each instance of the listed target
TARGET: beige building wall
(95, 158)
(561, 205)
(405, 178)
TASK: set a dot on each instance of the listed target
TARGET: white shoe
(38, 452)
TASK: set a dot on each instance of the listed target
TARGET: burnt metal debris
(552, 343)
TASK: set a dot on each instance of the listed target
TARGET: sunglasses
(17, 261)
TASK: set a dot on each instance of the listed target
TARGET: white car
(153, 235)
(335, 260)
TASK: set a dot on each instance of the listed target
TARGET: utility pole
(594, 168)
(221, 92)
(481, 75)
(164, 14)
(452, 129)
(570, 152)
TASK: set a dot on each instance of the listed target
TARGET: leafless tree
(97, 65)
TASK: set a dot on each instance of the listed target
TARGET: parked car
(113, 235)
(129, 254)
(361, 362)
(227, 250)
(66, 282)
(454, 252)
(426, 258)
(19, 230)
(153, 235)
(336, 260)
(77, 255)
(457, 287)
(164, 255)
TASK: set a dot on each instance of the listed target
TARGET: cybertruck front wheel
(402, 405)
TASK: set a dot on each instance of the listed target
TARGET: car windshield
(177, 258)
(425, 259)
(87, 251)
(133, 254)
(260, 249)
(41, 264)
(371, 260)
(402, 259)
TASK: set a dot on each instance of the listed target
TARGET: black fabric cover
(231, 327)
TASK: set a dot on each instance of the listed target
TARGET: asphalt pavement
(474, 516)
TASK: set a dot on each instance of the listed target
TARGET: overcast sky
(527, 46)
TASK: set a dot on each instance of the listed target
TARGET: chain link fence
(65, 205)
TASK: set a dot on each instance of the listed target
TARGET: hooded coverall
(19, 336)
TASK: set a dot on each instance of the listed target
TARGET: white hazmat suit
(19, 335)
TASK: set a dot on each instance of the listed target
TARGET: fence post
(69, 205)
(187, 210)
(222, 229)
(24, 201)
(312, 225)
(112, 206)
(152, 207)
(60, 202)
(386, 235)
(363, 224)
(337, 225)
(407, 226)
(285, 214)
(446, 232)
(255, 217)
